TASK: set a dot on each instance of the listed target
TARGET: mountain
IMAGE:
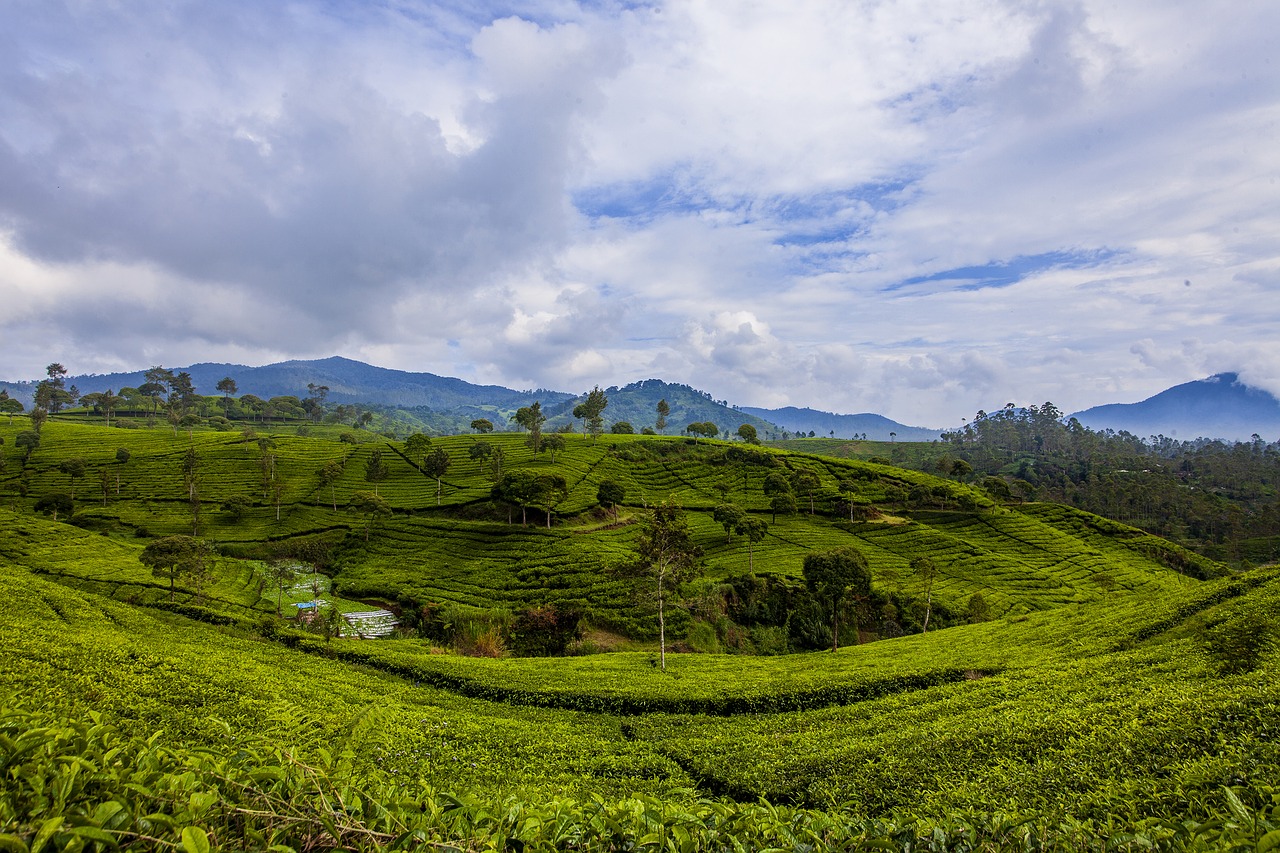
(877, 427)
(1220, 406)
(349, 381)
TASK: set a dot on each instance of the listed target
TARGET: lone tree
(532, 419)
(75, 469)
(280, 576)
(754, 529)
(552, 443)
(666, 558)
(806, 483)
(482, 425)
(663, 411)
(330, 473)
(832, 576)
(176, 556)
(610, 494)
(748, 433)
(729, 516)
(549, 490)
(928, 572)
(55, 505)
(10, 406)
(416, 447)
(592, 409)
(371, 505)
(375, 470)
(436, 465)
(516, 488)
(227, 386)
(480, 451)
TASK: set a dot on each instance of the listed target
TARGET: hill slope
(1218, 407)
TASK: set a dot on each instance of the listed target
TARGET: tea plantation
(1114, 692)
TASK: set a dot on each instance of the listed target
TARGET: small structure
(369, 624)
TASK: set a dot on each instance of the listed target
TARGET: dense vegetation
(1095, 686)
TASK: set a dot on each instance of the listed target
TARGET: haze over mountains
(1217, 407)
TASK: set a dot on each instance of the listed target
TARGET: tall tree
(173, 557)
(313, 405)
(375, 470)
(372, 506)
(227, 386)
(593, 408)
(416, 447)
(927, 570)
(729, 516)
(56, 504)
(516, 488)
(437, 465)
(833, 576)
(667, 558)
(329, 473)
(480, 451)
(532, 419)
(754, 529)
(610, 495)
(806, 483)
(280, 576)
(73, 468)
(748, 433)
(664, 410)
(548, 490)
(552, 443)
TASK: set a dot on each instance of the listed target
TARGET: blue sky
(911, 208)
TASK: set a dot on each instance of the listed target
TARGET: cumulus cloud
(908, 207)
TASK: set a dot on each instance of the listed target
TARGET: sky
(912, 208)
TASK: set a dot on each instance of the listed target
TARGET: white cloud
(778, 202)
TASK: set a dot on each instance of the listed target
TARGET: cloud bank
(902, 207)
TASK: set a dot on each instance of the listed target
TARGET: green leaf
(195, 840)
(47, 829)
(93, 833)
(12, 844)
(1270, 841)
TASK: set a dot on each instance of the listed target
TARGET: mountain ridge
(1217, 407)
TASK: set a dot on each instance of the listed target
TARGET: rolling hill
(823, 424)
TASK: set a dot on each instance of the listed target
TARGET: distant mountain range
(1218, 407)
(874, 427)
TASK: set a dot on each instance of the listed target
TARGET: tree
(235, 507)
(56, 504)
(28, 441)
(39, 416)
(748, 433)
(806, 483)
(191, 479)
(480, 451)
(371, 505)
(104, 482)
(729, 516)
(516, 488)
(122, 456)
(416, 447)
(927, 570)
(532, 419)
(622, 428)
(483, 426)
(548, 490)
(703, 428)
(314, 404)
(960, 469)
(610, 495)
(172, 557)
(182, 393)
(553, 442)
(667, 558)
(329, 473)
(280, 576)
(10, 406)
(979, 610)
(664, 410)
(754, 529)
(73, 468)
(831, 576)
(436, 465)
(51, 394)
(592, 410)
(227, 386)
(375, 470)
(778, 489)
